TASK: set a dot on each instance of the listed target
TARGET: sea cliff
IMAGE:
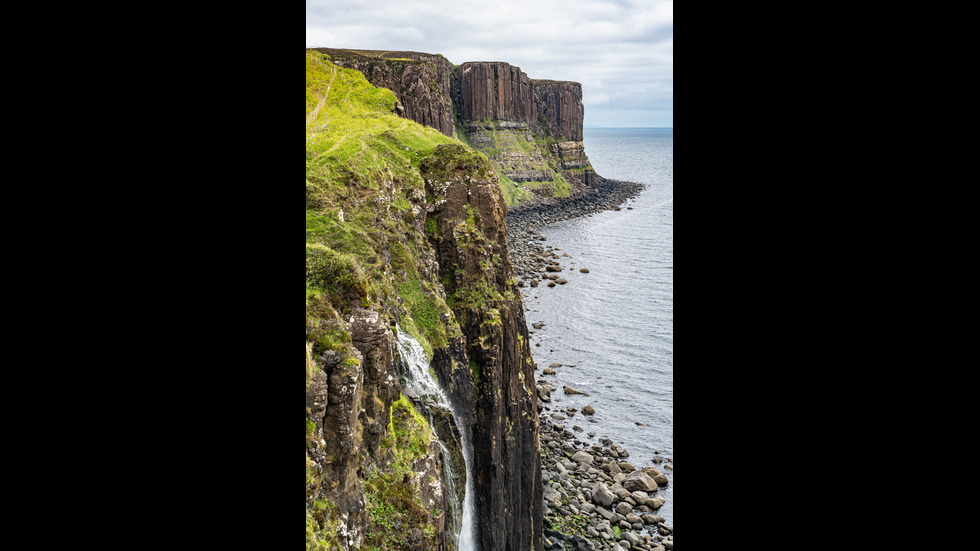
(530, 130)
(406, 228)
(416, 167)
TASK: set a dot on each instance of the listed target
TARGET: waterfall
(419, 384)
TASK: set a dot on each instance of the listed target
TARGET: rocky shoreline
(593, 498)
(533, 263)
(596, 500)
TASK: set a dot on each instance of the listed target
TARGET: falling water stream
(419, 383)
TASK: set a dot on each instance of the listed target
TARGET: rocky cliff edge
(531, 130)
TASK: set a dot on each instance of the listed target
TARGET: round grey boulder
(639, 481)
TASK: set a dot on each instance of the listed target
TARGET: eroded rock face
(373, 338)
(511, 149)
(561, 108)
(469, 215)
(423, 83)
(502, 112)
(496, 91)
(575, 165)
(349, 403)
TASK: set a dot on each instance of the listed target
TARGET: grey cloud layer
(621, 51)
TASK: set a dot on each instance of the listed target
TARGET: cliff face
(423, 83)
(561, 108)
(470, 235)
(496, 91)
(531, 130)
(407, 226)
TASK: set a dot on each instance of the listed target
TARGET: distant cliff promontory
(530, 130)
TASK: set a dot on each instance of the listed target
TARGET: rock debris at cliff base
(596, 500)
(536, 263)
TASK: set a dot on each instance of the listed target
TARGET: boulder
(544, 393)
(652, 519)
(602, 496)
(581, 456)
(657, 476)
(611, 468)
(639, 481)
(621, 493)
(624, 508)
(606, 514)
(588, 410)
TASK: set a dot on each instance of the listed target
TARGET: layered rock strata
(531, 130)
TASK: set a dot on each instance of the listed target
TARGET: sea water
(615, 323)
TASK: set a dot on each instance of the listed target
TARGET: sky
(621, 51)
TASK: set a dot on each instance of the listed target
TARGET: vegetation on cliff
(361, 180)
(525, 127)
(406, 224)
(363, 244)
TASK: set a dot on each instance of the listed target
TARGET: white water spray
(419, 381)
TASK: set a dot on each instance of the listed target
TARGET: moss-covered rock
(405, 224)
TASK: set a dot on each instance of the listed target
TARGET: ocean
(615, 323)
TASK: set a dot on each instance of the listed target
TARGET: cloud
(620, 50)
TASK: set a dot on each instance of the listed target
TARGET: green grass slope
(365, 234)
(361, 171)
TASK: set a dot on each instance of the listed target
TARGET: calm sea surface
(615, 324)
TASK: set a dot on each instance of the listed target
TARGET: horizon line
(600, 126)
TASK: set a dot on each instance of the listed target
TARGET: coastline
(530, 261)
(594, 499)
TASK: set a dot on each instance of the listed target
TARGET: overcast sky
(622, 51)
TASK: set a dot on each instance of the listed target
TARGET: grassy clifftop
(406, 223)
(362, 190)
(367, 248)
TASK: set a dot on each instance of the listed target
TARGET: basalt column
(496, 91)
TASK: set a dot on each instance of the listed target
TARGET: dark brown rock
(560, 106)
(471, 245)
(423, 83)
(496, 91)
